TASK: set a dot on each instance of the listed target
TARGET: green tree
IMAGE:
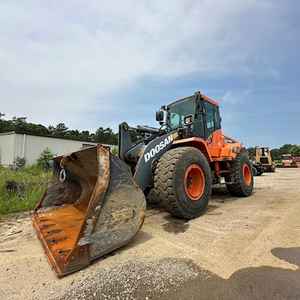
(106, 136)
(276, 154)
(60, 130)
(45, 159)
(72, 134)
(85, 135)
(6, 126)
(20, 125)
(286, 149)
(295, 150)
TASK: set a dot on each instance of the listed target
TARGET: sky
(99, 63)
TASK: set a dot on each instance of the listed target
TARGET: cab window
(213, 121)
(179, 110)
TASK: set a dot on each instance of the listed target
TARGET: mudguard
(154, 150)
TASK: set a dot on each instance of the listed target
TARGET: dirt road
(240, 249)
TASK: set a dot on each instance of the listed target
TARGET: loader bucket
(92, 208)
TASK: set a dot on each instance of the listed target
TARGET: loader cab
(198, 113)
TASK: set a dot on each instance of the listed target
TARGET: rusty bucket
(92, 208)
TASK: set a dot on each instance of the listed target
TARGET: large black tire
(170, 182)
(237, 183)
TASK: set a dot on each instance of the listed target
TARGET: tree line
(20, 125)
(277, 153)
(285, 149)
(101, 135)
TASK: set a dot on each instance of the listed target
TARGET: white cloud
(236, 97)
(62, 60)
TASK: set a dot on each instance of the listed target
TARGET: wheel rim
(194, 182)
(247, 174)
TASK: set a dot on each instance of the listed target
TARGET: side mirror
(160, 116)
(188, 120)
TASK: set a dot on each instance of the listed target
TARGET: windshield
(178, 110)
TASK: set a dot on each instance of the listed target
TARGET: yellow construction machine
(263, 157)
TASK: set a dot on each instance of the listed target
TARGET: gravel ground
(242, 248)
(140, 279)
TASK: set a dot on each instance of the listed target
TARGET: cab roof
(205, 98)
(210, 100)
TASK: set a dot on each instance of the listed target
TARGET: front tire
(240, 181)
(182, 182)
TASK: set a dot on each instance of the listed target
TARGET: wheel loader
(263, 156)
(97, 202)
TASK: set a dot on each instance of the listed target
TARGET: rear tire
(241, 177)
(182, 182)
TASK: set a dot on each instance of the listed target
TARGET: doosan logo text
(163, 144)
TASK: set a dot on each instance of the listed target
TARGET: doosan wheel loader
(97, 202)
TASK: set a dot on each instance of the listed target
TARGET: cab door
(199, 119)
(213, 132)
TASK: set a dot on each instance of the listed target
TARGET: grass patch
(34, 181)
